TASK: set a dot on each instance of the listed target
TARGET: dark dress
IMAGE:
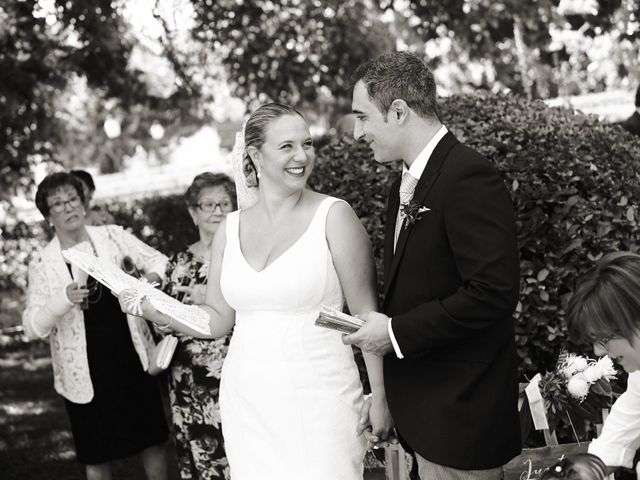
(125, 415)
(194, 382)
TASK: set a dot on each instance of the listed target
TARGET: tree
(291, 50)
(542, 48)
(51, 53)
(29, 78)
(67, 68)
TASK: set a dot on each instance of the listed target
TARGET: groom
(451, 276)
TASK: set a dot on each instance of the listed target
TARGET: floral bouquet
(577, 390)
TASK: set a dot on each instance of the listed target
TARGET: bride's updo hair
(255, 132)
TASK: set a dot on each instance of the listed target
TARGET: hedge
(574, 181)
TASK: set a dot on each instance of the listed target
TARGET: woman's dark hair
(256, 129)
(53, 182)
(85, 177)
(578, 466)
(208, 180)
(607, 300)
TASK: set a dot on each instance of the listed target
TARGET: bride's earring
(258, 173)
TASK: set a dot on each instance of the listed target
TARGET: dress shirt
(620, 437)
(416, 169)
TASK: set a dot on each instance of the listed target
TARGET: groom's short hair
(399, 75)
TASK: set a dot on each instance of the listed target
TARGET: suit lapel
(427, 180)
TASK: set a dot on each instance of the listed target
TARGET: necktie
(407, 187)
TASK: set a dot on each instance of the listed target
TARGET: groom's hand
(376, 424)
(373, 336)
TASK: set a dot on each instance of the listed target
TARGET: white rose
(574, 364)
(578, 387)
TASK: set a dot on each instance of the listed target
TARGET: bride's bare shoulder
(314, 199)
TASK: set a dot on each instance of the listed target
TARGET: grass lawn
(35, 436)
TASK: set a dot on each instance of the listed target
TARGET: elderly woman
(194, 378)
(605, 311)
(99, 355)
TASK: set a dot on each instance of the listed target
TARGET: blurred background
(117, 87)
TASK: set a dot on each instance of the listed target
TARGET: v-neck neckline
(267, 266)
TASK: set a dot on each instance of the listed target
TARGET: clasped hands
(373, 336)
(376, 423)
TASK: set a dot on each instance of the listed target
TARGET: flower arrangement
(577, 390)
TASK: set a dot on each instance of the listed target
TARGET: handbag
(162, 354)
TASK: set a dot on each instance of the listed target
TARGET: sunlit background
(160, 86)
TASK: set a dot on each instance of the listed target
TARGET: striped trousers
(432, 471)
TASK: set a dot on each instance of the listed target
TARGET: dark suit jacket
(451, 289)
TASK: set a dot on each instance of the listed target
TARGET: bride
(290, 394)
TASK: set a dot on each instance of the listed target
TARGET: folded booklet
(110, 275)
(336, 320)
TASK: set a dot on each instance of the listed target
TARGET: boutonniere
(412, 212)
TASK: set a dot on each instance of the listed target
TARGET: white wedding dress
(290, 393)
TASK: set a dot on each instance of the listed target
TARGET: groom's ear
(399, 111)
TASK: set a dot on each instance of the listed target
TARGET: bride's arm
(221, 315)
(353, 260)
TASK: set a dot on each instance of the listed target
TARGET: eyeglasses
(210, 207)
(603, 342)
(59, 205)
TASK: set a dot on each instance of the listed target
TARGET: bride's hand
(376, 423)
(130, 302)
(381, 421)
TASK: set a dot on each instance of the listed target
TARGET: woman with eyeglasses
(194, 377)
(99, 355)
(605, 311)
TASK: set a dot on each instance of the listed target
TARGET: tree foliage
(542, 48)
(70, 66)
(29, 78)
(64, 69)
(288, 50)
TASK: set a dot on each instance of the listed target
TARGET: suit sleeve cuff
(394, 342)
